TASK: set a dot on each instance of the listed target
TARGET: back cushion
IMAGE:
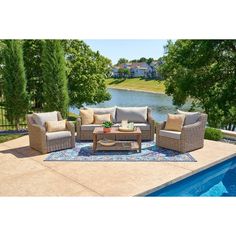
(190, 117)
(132, 114)
(41, 118)
(86, 116)
(102, 111)
(175, 122)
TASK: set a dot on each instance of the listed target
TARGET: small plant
(213, 134)
(107, 124)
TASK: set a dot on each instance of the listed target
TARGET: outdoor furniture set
(182, 132)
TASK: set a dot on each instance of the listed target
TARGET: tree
(204, 70)
(150, 60)
(1, 67)
(142, 59)
(15, 95)
(33, 65)
(55, 89)
(121, 72)
(122, 61)
(87, 71)
(126, 72)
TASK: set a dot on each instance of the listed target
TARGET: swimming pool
(216, 181)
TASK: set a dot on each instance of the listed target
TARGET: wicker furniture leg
(94, 142)
(139, 140)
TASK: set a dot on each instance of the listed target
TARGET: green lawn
(7, 137)
(137, 84)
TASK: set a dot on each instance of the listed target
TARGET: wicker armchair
(190, 138)
(40, 140)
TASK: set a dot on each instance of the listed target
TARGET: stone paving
(23, 172)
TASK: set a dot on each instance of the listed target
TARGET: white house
(137, 69)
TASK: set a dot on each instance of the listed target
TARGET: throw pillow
(54, 126)
(190, 117)
(41, 118)
(99, 119)
(86, 116)
(175, 122)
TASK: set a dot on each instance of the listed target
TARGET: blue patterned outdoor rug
(150, 152)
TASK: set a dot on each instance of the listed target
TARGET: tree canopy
(14, 82)
(55, 89)
(32, 50)
(86, 71)
(122, 60)
(204, 70)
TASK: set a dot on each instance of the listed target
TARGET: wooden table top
(114, 130)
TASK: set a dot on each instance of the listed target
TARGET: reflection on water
(161, 104)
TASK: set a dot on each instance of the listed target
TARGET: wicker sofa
(44, 141)
(190, 138)
(144, 121)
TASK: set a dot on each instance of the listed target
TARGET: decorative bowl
(107, 142)
(126, 129)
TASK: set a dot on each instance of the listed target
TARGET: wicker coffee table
(119, 145)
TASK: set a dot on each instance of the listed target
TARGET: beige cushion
(142, 126)
(41, 118)
(54, 126)
(174, 122)
(132, 114)
(90, 127)
(190, 117)
(86, 116)
(110, 110)
(99, 119)
(170, 134)
(58, 135)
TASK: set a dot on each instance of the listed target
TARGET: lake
(161, 104)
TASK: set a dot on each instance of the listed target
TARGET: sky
(128, 48)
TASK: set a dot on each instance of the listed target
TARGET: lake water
(161, 104)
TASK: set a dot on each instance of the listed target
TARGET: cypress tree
(54, 76)
(15, 96)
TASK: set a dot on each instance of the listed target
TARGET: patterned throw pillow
(54, 126)
(175, 122)
(87, 116)
(99, 119)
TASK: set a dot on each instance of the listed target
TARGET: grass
(136, 84)
(8, 137)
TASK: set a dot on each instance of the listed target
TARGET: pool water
(216, 181)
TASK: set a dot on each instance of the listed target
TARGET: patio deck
(24, 173)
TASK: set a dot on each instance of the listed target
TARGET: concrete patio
(23, 172)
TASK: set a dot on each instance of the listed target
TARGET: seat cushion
(190, 117)
(110, 110)
(41, 118)
(90, 127)
(58, 135)
(175, 122)
(142, 126)
(87, 116)
(132, 114)
(170, 134)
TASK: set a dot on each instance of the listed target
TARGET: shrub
(213, 134)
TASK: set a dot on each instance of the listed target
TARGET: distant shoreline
(137, 90)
